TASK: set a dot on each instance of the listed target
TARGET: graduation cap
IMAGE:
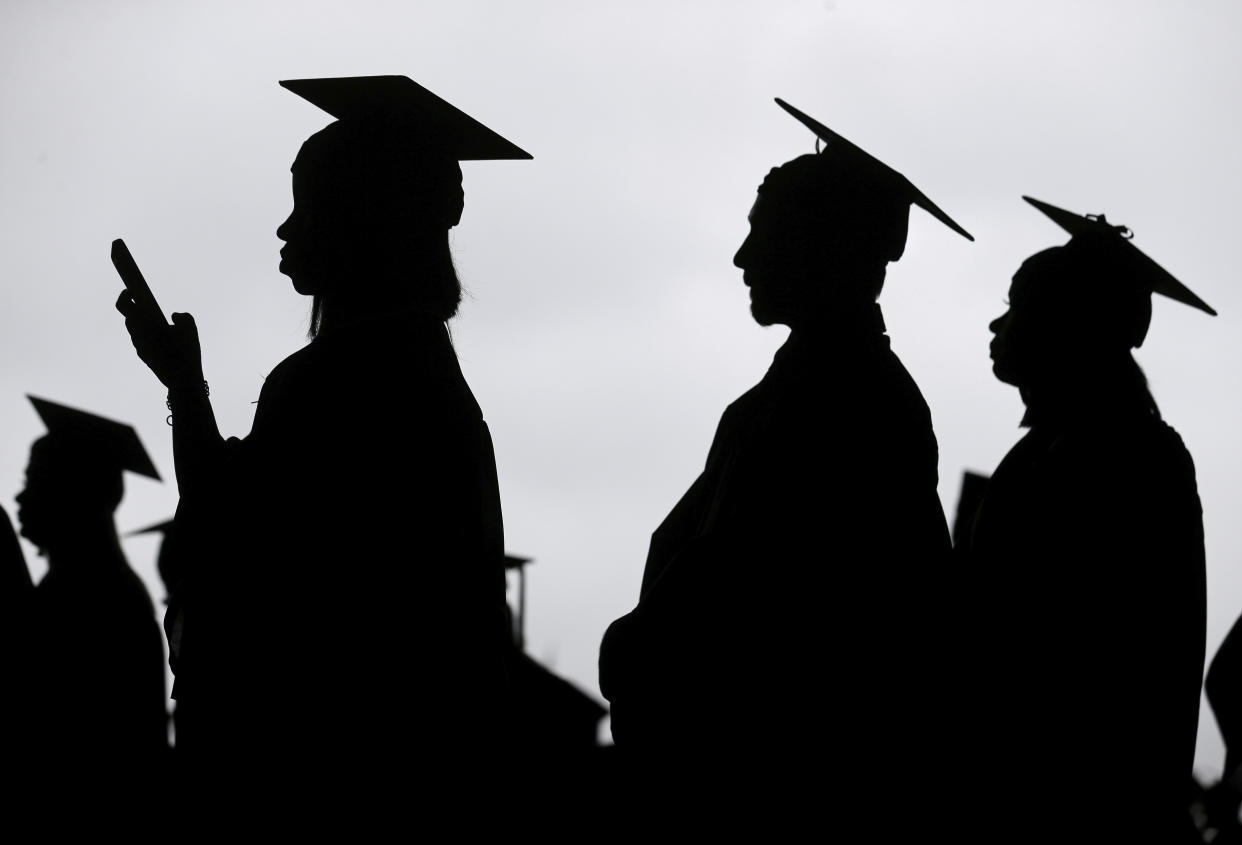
(974, 487)
(170, 560)
(555, 715)
(880, 178)
(425, 118)
(109, 442)
(519, 620)
(158, 528)
(1140, 269)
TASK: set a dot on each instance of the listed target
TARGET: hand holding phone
(171, 351)
(137, 286)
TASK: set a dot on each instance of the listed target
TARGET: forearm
(197, 444)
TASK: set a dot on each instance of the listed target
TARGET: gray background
(606, 328)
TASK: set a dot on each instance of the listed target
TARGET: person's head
(73, 480)
(1065, 340)
(823, 230)
(1075, 311)
(821, 236)
(69, 484)
(375, 194)
(370, 220)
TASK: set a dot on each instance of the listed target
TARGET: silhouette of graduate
(16, 590)
(779, 615)
(1087, 555)
(1223, 688)
(168, 563)
(92, 683)
(343, 563)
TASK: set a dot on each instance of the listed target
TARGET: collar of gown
(855, 330)
(809, 355)
(404, 320)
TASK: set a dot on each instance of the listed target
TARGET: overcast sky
(606, 328)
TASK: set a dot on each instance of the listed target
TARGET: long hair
(428, 284)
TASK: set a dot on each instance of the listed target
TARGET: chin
(301, 285)
(36, 536)
(1002, 374)
(765, 315)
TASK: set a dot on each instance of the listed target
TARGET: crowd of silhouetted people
(810, 645)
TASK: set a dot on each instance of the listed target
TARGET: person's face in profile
(774, 265)
(37, 511)
(341, 230)
(1012, 344)
(67, 486)
(300, 257)
(1040, 334)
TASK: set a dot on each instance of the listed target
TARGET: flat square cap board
(1130, 259)
(887, 179)
(112, 441)
(158, 528)
(429, 119)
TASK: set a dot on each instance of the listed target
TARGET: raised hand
(171, 352)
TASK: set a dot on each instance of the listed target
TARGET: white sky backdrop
(606, 328)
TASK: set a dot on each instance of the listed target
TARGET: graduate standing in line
(16, 588)
(780, 627)
(1223, 688)
(91, 680)
(1087, 560)
(344, 562)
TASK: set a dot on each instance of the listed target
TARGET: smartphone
(135, 283)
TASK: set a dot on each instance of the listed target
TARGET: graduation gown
(781, 616)
(94, 685)
(1090, 617)
(1223, 688)
(347, 601)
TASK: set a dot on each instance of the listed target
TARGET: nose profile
(739, 257)
(998, 323)
(282, 231)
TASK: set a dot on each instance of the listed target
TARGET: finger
(185, 322)
(125, 302)
(136, 327)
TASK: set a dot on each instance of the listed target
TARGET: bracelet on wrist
(168, 403)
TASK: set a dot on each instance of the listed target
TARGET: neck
(418, 280)
(341, 314)
(93, 543)
(861, 322)
(337, 313)
(1084, 392)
